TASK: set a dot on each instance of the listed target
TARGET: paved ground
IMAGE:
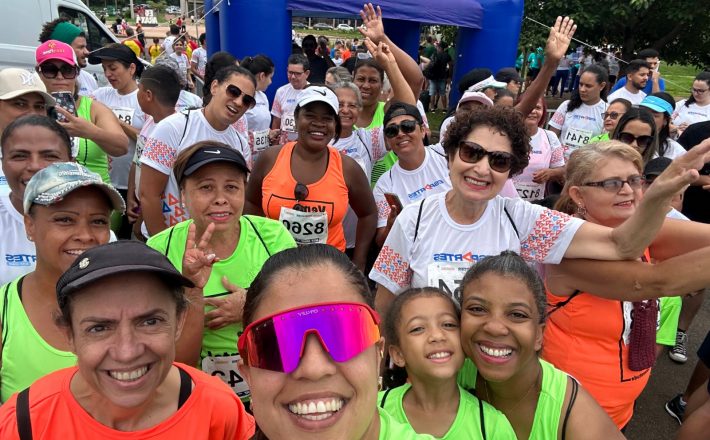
(651, 422)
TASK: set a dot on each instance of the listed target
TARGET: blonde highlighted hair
(584, 161)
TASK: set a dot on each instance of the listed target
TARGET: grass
(679, 79)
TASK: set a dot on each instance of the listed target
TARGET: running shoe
(679, 352)
(676, 409)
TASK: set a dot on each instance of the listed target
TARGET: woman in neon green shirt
(502, 322)
(221, 251)
(422, 327)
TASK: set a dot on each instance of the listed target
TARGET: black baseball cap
(118, 52)
(398, 108)
(656, 166)
(508, 74)
(124, 256)
(210, 154)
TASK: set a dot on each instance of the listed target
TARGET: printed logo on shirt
(173, 211)
(468, 256)
(3, 180)
(578, 116)
(421, 191)
(20, 259)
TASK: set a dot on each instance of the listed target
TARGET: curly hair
(48, 29)
(504, 120)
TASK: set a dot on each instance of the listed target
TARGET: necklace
(534, 385)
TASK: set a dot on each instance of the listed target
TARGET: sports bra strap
(22, 414)
(482, 418)
(258, 235)
(561, 304)
(185, 387)
(384, 398)
(364, 145)
(572, 398)
(170, 240)
(507, 214)
(419, 218)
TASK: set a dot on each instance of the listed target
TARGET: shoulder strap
(170, 240)
(384, 397)
(22, 413)
(561, 304)
(482, 417)
(185, 387)
(507, 214)
(572, 398)
(357, 133)
(435, 151)
(5, 325)
(419, 217)
(184, 130)
(261, 239)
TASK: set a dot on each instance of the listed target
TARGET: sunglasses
(300, 193)
(642, 141)
(615, 185)
(499, 161)
(612, 115)
(408, 126)
(277, 342)
(235, 92)
(50, 70)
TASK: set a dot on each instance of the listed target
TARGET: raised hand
(198, 260)
(372, 21)
(380, 53)
(561, 34)
(228, 308)
(681, 172)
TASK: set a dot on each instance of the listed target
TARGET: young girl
(502, 323)
(422, 328)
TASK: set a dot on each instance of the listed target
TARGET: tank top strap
(83, 110)
(549, 404)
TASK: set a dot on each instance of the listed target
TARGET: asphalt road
(650, 421)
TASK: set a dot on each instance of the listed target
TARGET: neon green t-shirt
(382, 166)
(467, 424)
(379, 117)
(600, 138)
(89, 153)
(390, 429)
(670, 312)
(549, 405)
(219, 353)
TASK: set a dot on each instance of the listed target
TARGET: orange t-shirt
(212, 412)
(588, 339)
(329, 194)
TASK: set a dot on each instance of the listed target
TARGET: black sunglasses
(499, 161)
(408, 126)
(50, 70)
(643, 141)
(235, 92)
(612, 115)
(615, 185)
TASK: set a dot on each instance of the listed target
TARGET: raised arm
(375, 31)
(385, 58)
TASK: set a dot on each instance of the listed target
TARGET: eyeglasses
(615, 185)
(407, 126)
(612, 115)
(643, 141)
(50, 70)
(296, 74)
(499, 161)
(235, 92)
(699, 91)
(277, 342)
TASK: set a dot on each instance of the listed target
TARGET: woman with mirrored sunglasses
(608, 311)
(308, 185)
(614, 111)
(232, 94)
(637, 128)
(311, 350)
(96, 131)
(435, 241)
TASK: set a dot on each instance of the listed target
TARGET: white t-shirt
(148, 127)
(546, 152)
(127, 110)
(578, 126)
(183, 64)
(674, 213)
(87, 83)
(444, 126)
(422, 112)
(199, 57)
(365, 146)
(168, 44)
(167, 141)
(285, 102)
(258, 119)
(18, 253)
(187, 100)
(444, 250)
(4, 187)
(623, 92)
(673, 150)
(432, 177)
(691, 114)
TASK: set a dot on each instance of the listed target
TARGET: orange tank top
(588, 338)
(329, 194)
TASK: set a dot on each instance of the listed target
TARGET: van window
(96, 35)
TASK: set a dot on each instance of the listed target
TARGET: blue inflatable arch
(488, 34)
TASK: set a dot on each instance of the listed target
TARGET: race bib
(140, 145)
(530, 190)
(575, 138)
(124, 114)
(288, 122)
(305, 227)
(225, 367)
(261, 140)
(448, 276)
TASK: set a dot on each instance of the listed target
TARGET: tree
(679, 29)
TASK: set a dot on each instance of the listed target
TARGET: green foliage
(158, 6)
(679, 29)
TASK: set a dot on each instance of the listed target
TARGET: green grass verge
(679, 79)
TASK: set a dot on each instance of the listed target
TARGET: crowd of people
(223, 267)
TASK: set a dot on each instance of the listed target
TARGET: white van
(21, 23)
